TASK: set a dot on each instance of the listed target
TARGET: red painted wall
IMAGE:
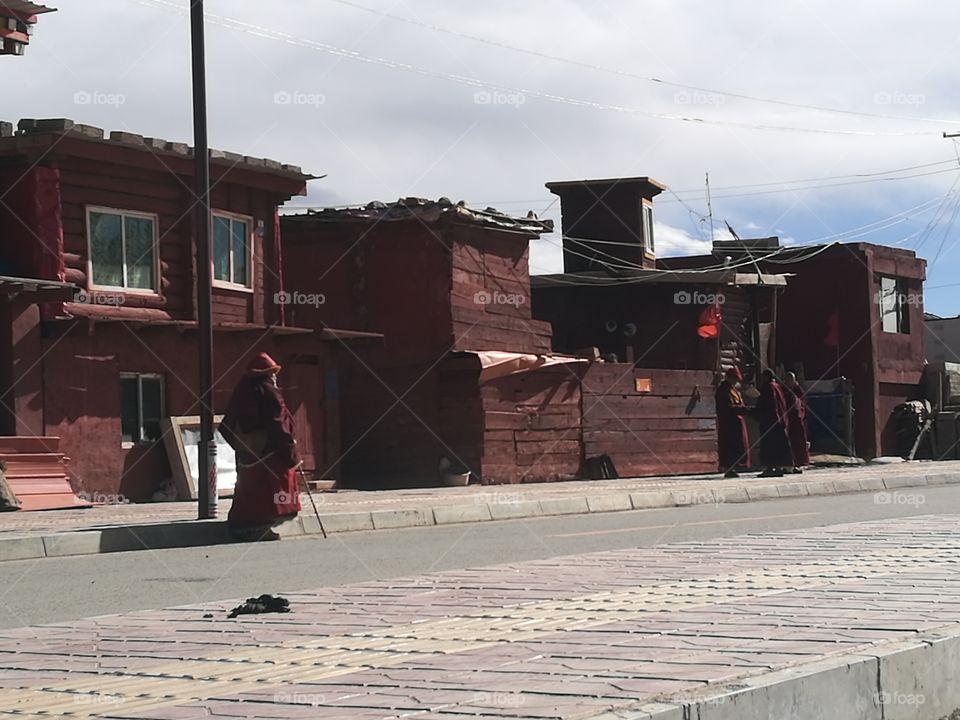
(30, 220)
(844, 282)
(81, 372)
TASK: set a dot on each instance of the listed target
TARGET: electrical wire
(683, 201)
(636, 76)
(822, 187)
(876, 173)
(263, 32)
(928, 229)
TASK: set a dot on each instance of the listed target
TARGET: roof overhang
(36, 290)
(53, 137)
(662, 277)
(342, 336)
(646, 182)
(23, 9)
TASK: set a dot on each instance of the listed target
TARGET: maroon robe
(267, 488)
(797, 424)
(732, 439)
(772, 417)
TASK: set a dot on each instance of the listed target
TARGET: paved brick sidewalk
(576, 637)
(691, 490)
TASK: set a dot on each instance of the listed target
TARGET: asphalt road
(57, 589)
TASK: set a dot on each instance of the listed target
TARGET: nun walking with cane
(259, 427)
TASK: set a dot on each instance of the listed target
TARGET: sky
(487, 102)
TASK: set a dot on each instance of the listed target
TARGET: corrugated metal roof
(427, 211)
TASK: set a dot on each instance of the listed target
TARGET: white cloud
(383, 133)
(675, 241)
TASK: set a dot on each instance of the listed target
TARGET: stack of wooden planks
(490, 296)
(532, 426)
(36, 472)
(650, 421)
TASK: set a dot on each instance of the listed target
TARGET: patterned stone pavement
(561, 638)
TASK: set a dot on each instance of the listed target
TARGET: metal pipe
(202, 225)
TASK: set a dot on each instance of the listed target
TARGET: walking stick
(306, 485)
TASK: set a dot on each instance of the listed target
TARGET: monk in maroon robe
(733, 442)
(259, 427)
(772, 417)
(797, 416)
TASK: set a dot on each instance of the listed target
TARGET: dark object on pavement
(261, 605)
(207, 615)
(601, 468)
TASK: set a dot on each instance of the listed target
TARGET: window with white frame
(141, 407)
(123, 249)
(647, 212)
(232, 250)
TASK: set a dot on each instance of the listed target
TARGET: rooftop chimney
(607, 222)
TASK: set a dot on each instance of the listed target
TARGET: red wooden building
(851, 310)
(463, 375)
(103, 369)
(665, 335)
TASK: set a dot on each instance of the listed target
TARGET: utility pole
(710, 208)
(202, 226)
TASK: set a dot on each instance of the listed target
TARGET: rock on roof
(428, 211)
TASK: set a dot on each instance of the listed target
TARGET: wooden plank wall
(490, 293)
(400, 444)
(666, 431)
(532, 430)
(86, 183)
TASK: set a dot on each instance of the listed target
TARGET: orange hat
(263, 364)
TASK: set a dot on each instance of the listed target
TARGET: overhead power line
(260, 31)
(636, 76)
(867, 178)
(864, 175)
(819, 187)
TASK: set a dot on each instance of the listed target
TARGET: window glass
(106, 249)
(129, 410)
(221, 248)
(648, 228)
(894, 305)
(140, 238)
(151, 391)
(241, 250)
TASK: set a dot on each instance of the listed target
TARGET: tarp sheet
(496, 364)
